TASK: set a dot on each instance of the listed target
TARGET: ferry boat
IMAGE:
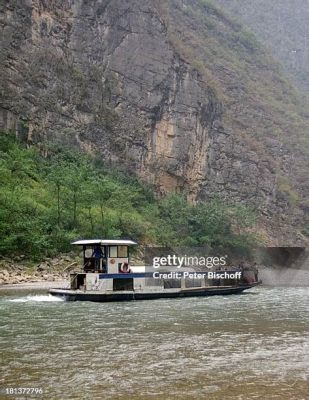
(108, 276)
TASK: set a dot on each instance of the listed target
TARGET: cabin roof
(102, 242)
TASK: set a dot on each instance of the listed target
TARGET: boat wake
(36, 298)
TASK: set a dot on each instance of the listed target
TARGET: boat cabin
(104, 257)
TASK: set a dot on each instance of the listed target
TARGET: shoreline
(38, 285)
(50, 272)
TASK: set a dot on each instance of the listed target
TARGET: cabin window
(123, 251)
(113, 253)
(88, 252)
(123, 284)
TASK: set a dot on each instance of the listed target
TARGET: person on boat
(97, 255)
(125, 269)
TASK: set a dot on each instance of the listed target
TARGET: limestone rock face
(168, 90)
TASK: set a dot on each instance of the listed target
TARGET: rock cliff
(174, 91)
(283, 26)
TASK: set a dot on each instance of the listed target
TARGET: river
(250, 346)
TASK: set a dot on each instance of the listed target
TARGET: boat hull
(77, 295)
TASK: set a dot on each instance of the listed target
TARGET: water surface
(251, 346)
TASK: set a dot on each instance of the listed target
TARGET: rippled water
(250, 346)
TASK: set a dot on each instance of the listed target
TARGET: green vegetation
(45, 202)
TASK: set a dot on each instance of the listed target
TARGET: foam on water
(36, 298)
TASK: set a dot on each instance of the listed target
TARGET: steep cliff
(173, 91)
(283, 26)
